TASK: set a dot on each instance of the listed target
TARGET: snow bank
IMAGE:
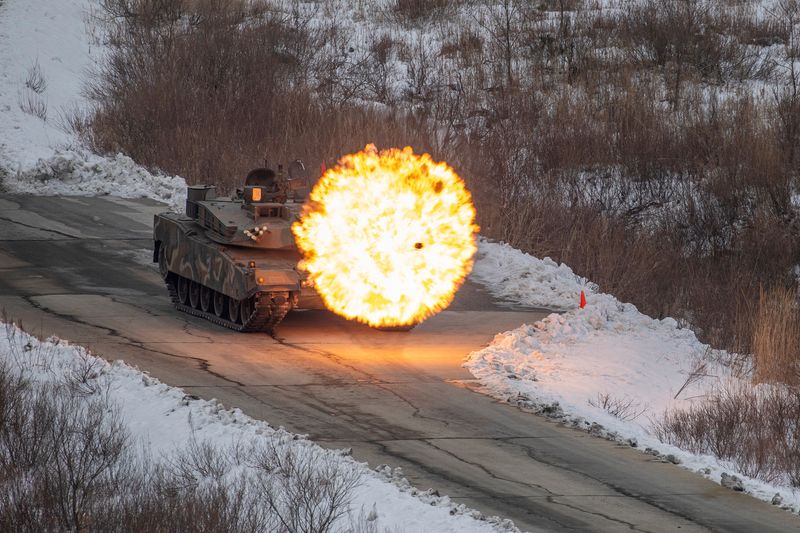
(164, 419)
(81, 173)
(515, 277)
(580, 365)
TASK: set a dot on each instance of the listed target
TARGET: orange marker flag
(322, 168)
(583, 300)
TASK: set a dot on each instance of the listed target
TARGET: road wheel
(183, 290)
(205, 298)
(246, 309)
(220, 301)
(194, 294)
(233, 310)
(163, 266)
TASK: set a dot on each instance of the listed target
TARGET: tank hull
(256, 286)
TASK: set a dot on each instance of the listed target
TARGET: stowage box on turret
(233, 260)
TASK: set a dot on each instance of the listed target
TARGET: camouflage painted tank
(233, 261)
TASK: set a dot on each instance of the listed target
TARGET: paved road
(77, 267)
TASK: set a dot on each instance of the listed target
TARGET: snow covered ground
(585, 364)
(164, 419)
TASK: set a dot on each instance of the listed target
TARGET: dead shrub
(692, 38)
(35, 80)
(467, 47)
(758, 428)
(60, 457)
(33, 104)
(306, 491)
(378, 71)
(622, 408)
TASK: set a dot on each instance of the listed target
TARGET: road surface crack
(198, 335)
(31, 226)
(530, 452)
(202, 364)
(328, 355)
(544, 514)
(416, 410)
(489, 472)
(630, 525)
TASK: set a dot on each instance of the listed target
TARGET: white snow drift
(82, 173)
(585, 364)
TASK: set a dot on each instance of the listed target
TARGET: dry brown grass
(776, 338)
(757, 428)
(211, 99)
(414, 12)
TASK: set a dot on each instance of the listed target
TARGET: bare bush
(33, 104)
(82, 378)
(692, 39)
(307, 492)
(35, 80)
(379, 70)
(60, 457)
(30, 98)
(414, 12)
(757, 428)
(622, 408)
(201, 460)
(211, 99)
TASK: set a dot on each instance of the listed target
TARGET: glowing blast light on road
(388, 237)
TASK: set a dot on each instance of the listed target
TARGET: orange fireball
(388, 237)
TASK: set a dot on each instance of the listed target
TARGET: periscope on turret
(233, 260)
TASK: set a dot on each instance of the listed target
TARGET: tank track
(265, 317)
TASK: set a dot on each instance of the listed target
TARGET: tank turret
(233, 260)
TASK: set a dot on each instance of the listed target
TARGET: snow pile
(515, 277)
(606, 348)
(81, 173)
(165, 419)
(585, 364)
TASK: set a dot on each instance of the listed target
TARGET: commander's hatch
(262, 186)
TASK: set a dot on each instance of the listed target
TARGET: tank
(233, 261)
